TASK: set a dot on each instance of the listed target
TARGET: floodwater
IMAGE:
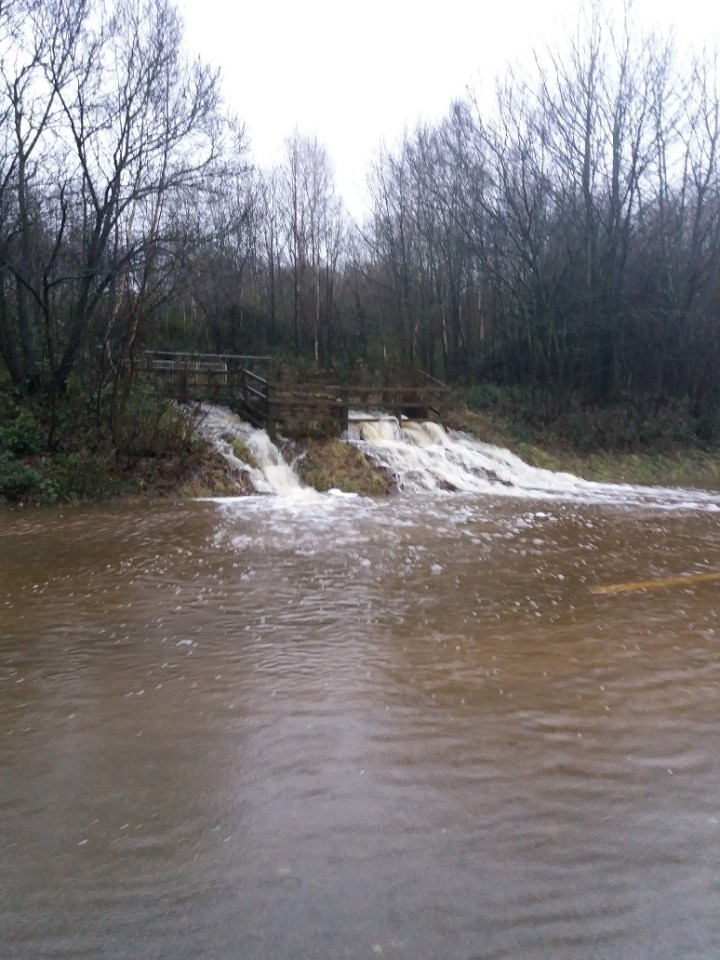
(343, 728)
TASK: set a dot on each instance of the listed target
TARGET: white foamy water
(423, 457)
(272, 474)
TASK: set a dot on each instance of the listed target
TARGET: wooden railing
(254, 395)
(297, 409)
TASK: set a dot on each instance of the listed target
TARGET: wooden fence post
(269, 411)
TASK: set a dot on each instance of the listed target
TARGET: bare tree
(313, 226)
(116, 127)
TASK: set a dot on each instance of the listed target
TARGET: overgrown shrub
(85, 475)
(149, 425)
(22, 435)
(20, 482)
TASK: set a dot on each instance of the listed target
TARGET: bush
(150, 426)
(484, 396)
(84, 475)
(20, 482)
(22, 435)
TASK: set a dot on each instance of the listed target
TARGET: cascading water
(425, 458)
(270, 472)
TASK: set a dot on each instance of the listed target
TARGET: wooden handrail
(209, 356)
(313, 405)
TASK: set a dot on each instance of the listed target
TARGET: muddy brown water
(268, 730)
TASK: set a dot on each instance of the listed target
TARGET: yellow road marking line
(654, 584)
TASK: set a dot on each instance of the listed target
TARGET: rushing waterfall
(423, 457)
(270, 472)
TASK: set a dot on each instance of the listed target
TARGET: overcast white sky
(358, 72)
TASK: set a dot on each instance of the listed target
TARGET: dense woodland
(563, 242)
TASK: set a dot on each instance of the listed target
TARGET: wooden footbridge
(289, 403)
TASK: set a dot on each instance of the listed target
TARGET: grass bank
(333, 464)
(616, 444)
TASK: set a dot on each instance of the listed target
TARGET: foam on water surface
(425, 458)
